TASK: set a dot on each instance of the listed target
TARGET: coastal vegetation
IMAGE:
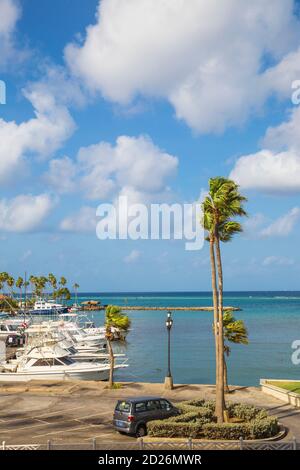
(114, 319)
(38, 286)
(220, 207)
(197, 420)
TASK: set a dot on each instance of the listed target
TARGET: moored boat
(52, 363)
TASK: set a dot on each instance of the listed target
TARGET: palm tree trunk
(111, 363)
(226, 387)
(218, 411)
(220, 398)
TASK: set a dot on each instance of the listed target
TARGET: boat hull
(99, 375)
(48, 311)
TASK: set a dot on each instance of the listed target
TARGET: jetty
(196, 309)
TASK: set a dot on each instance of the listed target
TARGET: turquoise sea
(272, 319)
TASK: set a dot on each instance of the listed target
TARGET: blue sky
(195, 93)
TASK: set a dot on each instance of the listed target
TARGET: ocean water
(272, 319)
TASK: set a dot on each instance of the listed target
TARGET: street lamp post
(169, 378)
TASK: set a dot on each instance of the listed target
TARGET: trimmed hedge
(257, 429)
(197, 421)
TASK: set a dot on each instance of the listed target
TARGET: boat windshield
(13, 327)
(67, 360)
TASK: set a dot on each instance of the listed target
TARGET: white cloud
(207, 59)
(277, 261)
(134, 162)
(286, 135)
(252, 225)
(132, 257)
(134, 166)
(9, 15)
(268, 171)
(276, 168)
(24, 213)
(41, 135)
(283, 226)
(83, 221)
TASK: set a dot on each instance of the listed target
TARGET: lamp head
(169, 321)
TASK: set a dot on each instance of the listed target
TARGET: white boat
(47, 307)
(88, 326)
(74, 309)
(52, 363)
(75, 334)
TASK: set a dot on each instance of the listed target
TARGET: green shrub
(266, 427)
(197, 420)
(228, 431)
(165, 428)
(245, 412)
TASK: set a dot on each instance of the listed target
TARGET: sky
(148, 100)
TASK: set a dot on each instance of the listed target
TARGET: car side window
(140, 407)
(153, 405)
(165, 405)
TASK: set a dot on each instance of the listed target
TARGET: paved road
(78, 412)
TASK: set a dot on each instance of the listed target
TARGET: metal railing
(141, 444)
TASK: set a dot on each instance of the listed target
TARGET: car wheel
(141, 431)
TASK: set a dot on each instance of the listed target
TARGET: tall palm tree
(222, 203)
(235, 332)
(114, 318)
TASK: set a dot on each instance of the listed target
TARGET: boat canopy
(48, 352)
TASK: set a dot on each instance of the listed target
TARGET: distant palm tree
(222, 203)
(19, 285)
(53, 282)
(76, 287)
(235, 332)
(3, 278)
(63, 281)
(10, 281)
(114, 318)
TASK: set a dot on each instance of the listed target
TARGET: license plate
(120, 424)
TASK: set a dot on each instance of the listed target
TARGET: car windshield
(123, 406)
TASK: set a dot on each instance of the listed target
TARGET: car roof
(143, 398)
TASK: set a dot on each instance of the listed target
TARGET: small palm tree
(114, 318)
(235, 332)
